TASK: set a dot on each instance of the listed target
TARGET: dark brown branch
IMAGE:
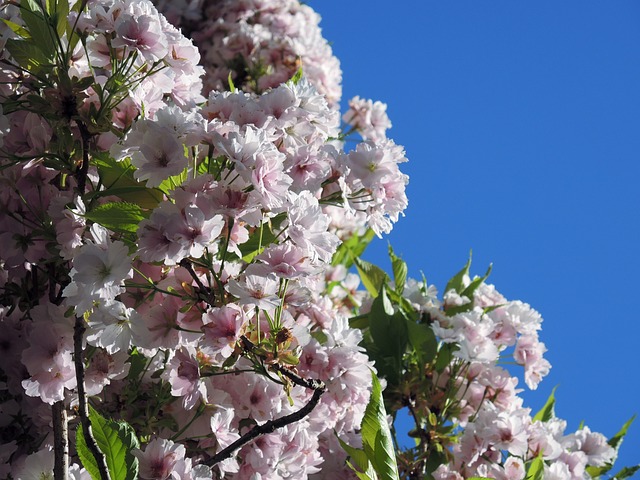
(78, 334)
(83, 170)
(202, 290)
(60, 441)
(270, 426)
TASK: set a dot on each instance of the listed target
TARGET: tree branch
(60, 441)
(203, 292)
(78, 334)
(270, 426)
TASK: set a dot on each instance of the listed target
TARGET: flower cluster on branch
(181, 219)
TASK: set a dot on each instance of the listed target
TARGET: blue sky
(521, 121)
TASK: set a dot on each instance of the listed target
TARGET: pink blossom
(222, 329)
(142, 33)
(183, 374)
(159, 459)
(368, 117)
(262, 292)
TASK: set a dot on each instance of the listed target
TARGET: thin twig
(270, 426)
(203, 291)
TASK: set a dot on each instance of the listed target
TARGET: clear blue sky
(521, 121)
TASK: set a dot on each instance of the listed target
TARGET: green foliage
(377, 453)
(116, 440)
(120, 217)
(547, 412)
(372, 276)
(457, 281)
(536, 469)
(457, 284)
(297, 76)
(117, 179)
(352, 248)
(388, 330)
(261, 238)
(400, 270)
(423, 341)
(615, 442)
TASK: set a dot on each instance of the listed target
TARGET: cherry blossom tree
(182, 293)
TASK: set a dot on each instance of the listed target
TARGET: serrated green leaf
(400, 270)
(547, 412)
(536, 469)
(86, 457)
(117, 216)
(358, 456)
(117, 441)
(376, 436)
(423, 341)
(615, 442)
(457, 281)
(117, 178)
(373, 277)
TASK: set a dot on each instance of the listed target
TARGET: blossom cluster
(258, 44)
(499, 436)
(225, 275)
(179, 253)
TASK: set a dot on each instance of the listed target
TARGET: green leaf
(445, 355)
(232, 87)
(373, 277)
(616, 440)
(536, 469)
(86, 457)
(359, 457)
(117, 178)
(547, 412)
(352, 248)
(615, 443)
(116, 440)
(376, 436)
(626, 472)
(457, 281)
(27, 55)
(297, 76)
(389, 334)
(262, 237)
(423, 341)
(117, 216)
(400, 270)
(17, 29)
(475, 283)
(61, 16)
(37, 23)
